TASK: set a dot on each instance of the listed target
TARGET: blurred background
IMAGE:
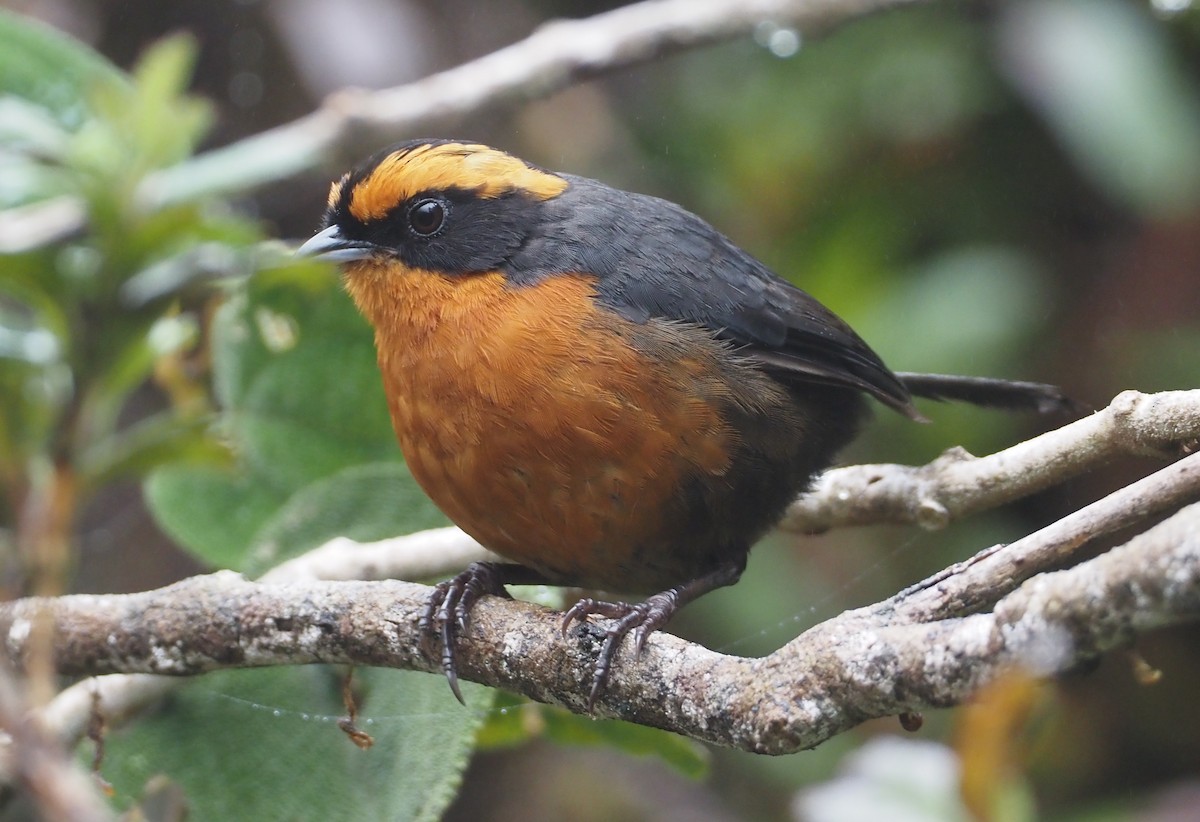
(1006, 189)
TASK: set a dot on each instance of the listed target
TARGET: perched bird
(594, 384)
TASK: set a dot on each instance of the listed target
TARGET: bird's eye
(426, 217)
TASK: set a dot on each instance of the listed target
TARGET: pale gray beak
(331, 245)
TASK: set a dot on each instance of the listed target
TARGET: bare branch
(856, 666)
(563, 52)
(957, 484)
(119, 697)
(968, 586)
(551, 58)
(424, 555)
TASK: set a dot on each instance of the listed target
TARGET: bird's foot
(448, 612)
(641, 620)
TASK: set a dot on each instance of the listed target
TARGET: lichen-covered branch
(859, 665)
(1135, 423)
(976, 583)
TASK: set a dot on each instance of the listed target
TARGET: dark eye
(426, 217)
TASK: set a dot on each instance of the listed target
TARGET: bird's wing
(654, 259)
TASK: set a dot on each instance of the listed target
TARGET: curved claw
(448, 612)
(581, 610)
(425, 622)
(642, 619)
(449, 604)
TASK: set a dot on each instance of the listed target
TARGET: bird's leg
(448, 611)
(644, 618)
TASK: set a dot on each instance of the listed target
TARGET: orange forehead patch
(335, 191)
(484, 170)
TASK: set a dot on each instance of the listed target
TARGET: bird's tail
(1009, 395)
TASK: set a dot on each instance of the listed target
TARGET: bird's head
(440, 206)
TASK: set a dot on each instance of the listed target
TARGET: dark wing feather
(654, 259)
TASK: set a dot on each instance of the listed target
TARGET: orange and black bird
(594, 384)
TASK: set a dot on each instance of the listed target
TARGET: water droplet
(780, 41)
(784, 43)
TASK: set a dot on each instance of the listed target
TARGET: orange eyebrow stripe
(477, 168)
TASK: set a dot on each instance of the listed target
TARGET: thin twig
(36, 757)
(976, 583)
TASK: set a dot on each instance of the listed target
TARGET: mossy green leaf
(296, 371)
(304, 413)
(265, 744)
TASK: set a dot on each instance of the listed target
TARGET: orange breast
(530, 420)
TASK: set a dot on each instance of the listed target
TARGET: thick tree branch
(853, 667)
(1133, 424)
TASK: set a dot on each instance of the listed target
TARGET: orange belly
(527, 416)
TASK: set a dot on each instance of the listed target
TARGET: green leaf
(305, 415)
(31, 129)
(364, 502)
(165, 438)
(265, 744)
(39, 64)
(23, 282)
(212, 512)
(166, 123)
(249, 163)
(296, 371)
